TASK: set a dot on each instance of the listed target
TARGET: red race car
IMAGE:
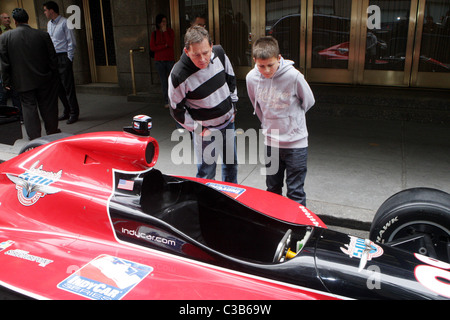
(88, 217)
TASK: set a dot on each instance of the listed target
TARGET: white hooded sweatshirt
(281, 103)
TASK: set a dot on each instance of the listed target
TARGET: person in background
(5, 25)
(203, 97)
(161, 43)
(65, 44)
(281, 97)
(199, 20)
(5, 22)
(29, 65)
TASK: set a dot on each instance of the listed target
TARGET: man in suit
(29, 65)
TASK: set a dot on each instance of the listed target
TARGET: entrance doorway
(369, 42)
(100, 40)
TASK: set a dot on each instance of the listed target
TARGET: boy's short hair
(266, 48)
(196, 34)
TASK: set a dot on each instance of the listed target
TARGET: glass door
(99, 32)
(388, 34)
(284, 20)
(431, 67)
(331, 40)
(233, 30)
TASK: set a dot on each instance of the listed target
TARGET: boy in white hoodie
(281, 97)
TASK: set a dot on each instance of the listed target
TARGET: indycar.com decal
(233, 192)
(106, 278)
(34, 184)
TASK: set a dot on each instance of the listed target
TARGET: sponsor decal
(433, 274)
(232, 191)
(363, 249)
(6, 244)
(34, 184)
(25, 255)
(309, 215)
(106, 278)
(385, 227)
(152, 235)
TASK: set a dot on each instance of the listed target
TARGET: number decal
(434, 275)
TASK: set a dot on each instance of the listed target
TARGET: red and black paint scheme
(90, 217)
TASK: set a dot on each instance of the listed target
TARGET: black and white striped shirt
(205, 97)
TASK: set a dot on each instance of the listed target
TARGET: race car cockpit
(214, 220)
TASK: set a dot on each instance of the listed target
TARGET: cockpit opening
(218, 221)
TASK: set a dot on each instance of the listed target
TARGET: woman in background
(161, 43)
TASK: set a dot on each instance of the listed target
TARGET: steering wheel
(282, 248)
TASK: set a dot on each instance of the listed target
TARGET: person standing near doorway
(5, 26)
(28, 64)
(161, 43)
(65, 44)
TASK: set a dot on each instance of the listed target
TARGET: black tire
(43, 140)
(413, 213)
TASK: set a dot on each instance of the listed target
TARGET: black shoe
(63, 117)
(72, 120)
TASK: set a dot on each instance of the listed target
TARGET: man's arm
(178, 109)
(231, 79)
(71, 42)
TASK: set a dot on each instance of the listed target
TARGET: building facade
(404, 43)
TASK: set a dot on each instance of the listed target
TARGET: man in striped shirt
(203, 97)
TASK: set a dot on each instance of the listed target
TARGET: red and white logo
(34, 184)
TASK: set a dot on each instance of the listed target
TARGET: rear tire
(421, 216)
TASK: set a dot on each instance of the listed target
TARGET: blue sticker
(106, 278)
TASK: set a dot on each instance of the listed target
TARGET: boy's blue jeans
(208, 149)
(293, 161)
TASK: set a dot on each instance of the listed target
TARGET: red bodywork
(64, 232)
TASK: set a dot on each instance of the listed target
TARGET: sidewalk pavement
(354, 164)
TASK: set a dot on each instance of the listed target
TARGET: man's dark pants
(67, 92)
(43, 100)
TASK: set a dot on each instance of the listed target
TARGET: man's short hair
(196, 34)
(20, 15)
(266, 48)
(51, 5)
